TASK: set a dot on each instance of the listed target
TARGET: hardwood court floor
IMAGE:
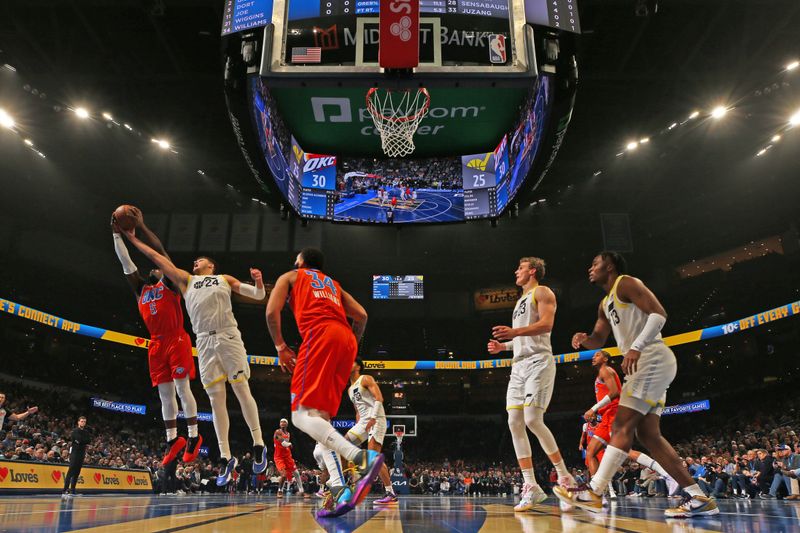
(140, 514)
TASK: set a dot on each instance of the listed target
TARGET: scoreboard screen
(388, 287)
(243, 15)
(300, 9)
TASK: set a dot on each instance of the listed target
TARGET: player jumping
(321, 368)
(533, 374)
(220, 349)
(169, 354)
(636, 317)
(370, 422)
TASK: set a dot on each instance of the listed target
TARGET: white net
(397, 114)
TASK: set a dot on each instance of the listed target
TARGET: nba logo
(497, 49)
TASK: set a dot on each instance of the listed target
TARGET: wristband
(281, 347)
(602, 403)
(508, 345)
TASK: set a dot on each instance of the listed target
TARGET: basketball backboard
(316, 40)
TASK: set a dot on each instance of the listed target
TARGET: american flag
(306, 54)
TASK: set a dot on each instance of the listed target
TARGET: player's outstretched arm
(599, 335)
(356, 311)
(145, 234)
(179, 277)
(16, 417)
(256, 292)
(132, 276)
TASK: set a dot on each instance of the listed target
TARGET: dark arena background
(247, 131)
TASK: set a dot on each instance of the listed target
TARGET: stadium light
(82, 113)
(631, 145)
(644, 140)
(776, 138)
(5, 120)
(719, 112)
(128, 127)
(673, 126)
(108, 116)
(28, 142)
(164, 145)
(793, 65)
(694, 114)
(794, 120)
(761, 152)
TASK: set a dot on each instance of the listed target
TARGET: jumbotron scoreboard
(388, 287)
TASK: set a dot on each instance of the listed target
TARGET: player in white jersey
(370, 422)
(220, 350)
(636, 317)
(533, 374)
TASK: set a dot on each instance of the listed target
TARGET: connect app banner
(753, 321)
(23, 476)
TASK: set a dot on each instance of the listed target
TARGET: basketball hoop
(397, 114)
(399, 433)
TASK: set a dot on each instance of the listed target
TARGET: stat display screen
(389, 287)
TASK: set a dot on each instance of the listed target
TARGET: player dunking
(636, 317)
(169, 354)
(607, 388)
(220, 349)
(370, 422)
(533, 374)
(284, 462)
(322, 366)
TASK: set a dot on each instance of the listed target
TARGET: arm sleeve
(251, 291)
(509, 346)
(651, 328)
(122, 253)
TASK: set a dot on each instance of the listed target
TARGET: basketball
(125, 217)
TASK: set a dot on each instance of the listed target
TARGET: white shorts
(645, 390)
(531, 382)
(358, 433)
(222, 356)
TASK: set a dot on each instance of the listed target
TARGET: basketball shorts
(602, 431)
(284, 462)
(221, 355)
(645, 390)
(359, 433)
(324, 362)
(531, 382)
(170, 357)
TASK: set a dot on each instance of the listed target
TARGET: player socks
(694, 490)
(192, 429)
(334, 466)
(561, 469)
(528, 476)
(612, 460)
(172, 434)
(648, 462)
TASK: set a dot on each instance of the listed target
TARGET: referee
(80, 438)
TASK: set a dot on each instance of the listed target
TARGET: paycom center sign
(336, 121)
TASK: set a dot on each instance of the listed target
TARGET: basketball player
(533, 374)
(606, 388)
(220, 350)
(636, 317)
(370, 422)
(321, 370)
(13, 417)
(284, 462)
(169, 354)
